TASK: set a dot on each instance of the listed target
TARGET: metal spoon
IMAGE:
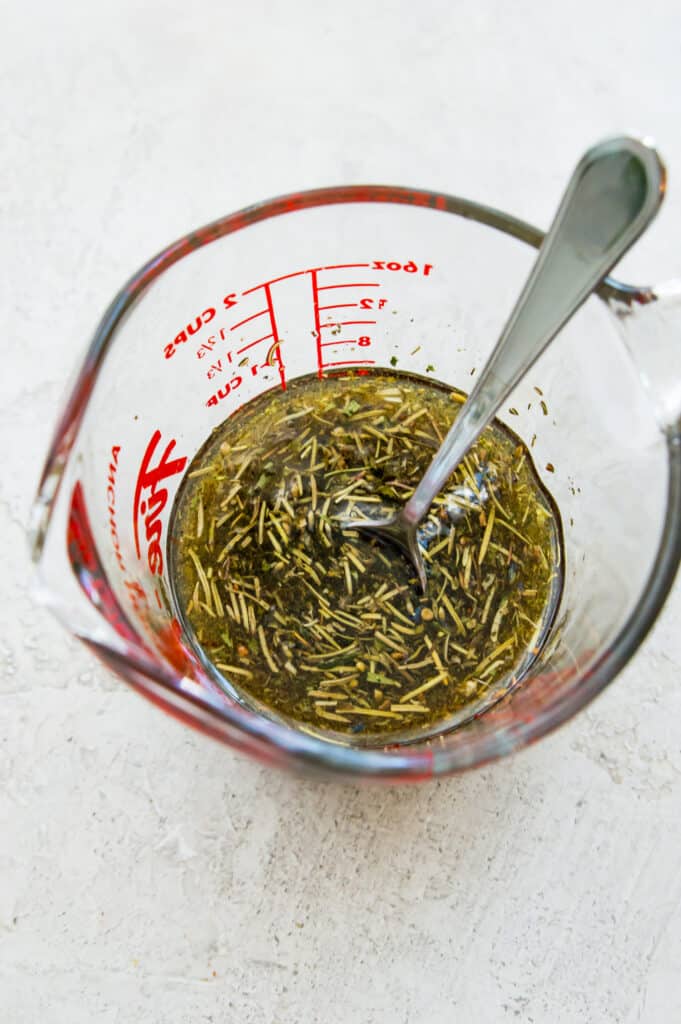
(612, 196)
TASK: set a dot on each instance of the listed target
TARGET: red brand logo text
(151, 499)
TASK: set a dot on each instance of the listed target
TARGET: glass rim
(275, 742)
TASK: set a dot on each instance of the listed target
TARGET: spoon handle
(614, 193)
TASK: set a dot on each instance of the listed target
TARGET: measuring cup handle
(615, 191)
(649, 321)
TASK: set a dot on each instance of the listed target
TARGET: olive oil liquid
(305, 619)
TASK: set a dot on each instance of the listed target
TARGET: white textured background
(146, 875)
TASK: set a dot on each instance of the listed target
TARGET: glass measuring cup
(360, 277)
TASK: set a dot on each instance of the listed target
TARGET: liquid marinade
(328, 627)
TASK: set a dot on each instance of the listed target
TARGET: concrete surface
(147, 875)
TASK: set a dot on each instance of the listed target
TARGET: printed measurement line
(246, 320)
(340, 341)
(343, 266)
(317, 324)
(252, 343)
(350, 362)
(276, 351)
(352, 284)
(346, 323)
(266, 284)
(298, 273)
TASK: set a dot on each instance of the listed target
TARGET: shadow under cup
(314, 283)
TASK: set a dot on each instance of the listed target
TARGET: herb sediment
(326, 626)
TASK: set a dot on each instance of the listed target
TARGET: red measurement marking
(245, 348)
(346, 323)
(347, 362)
(274, 356)
(276, 349)
(341, 341)
(311, 270)
(246, 320)
(274, 352)
(266, 284)
(343, 266)
(352, 284)
(317, 324)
